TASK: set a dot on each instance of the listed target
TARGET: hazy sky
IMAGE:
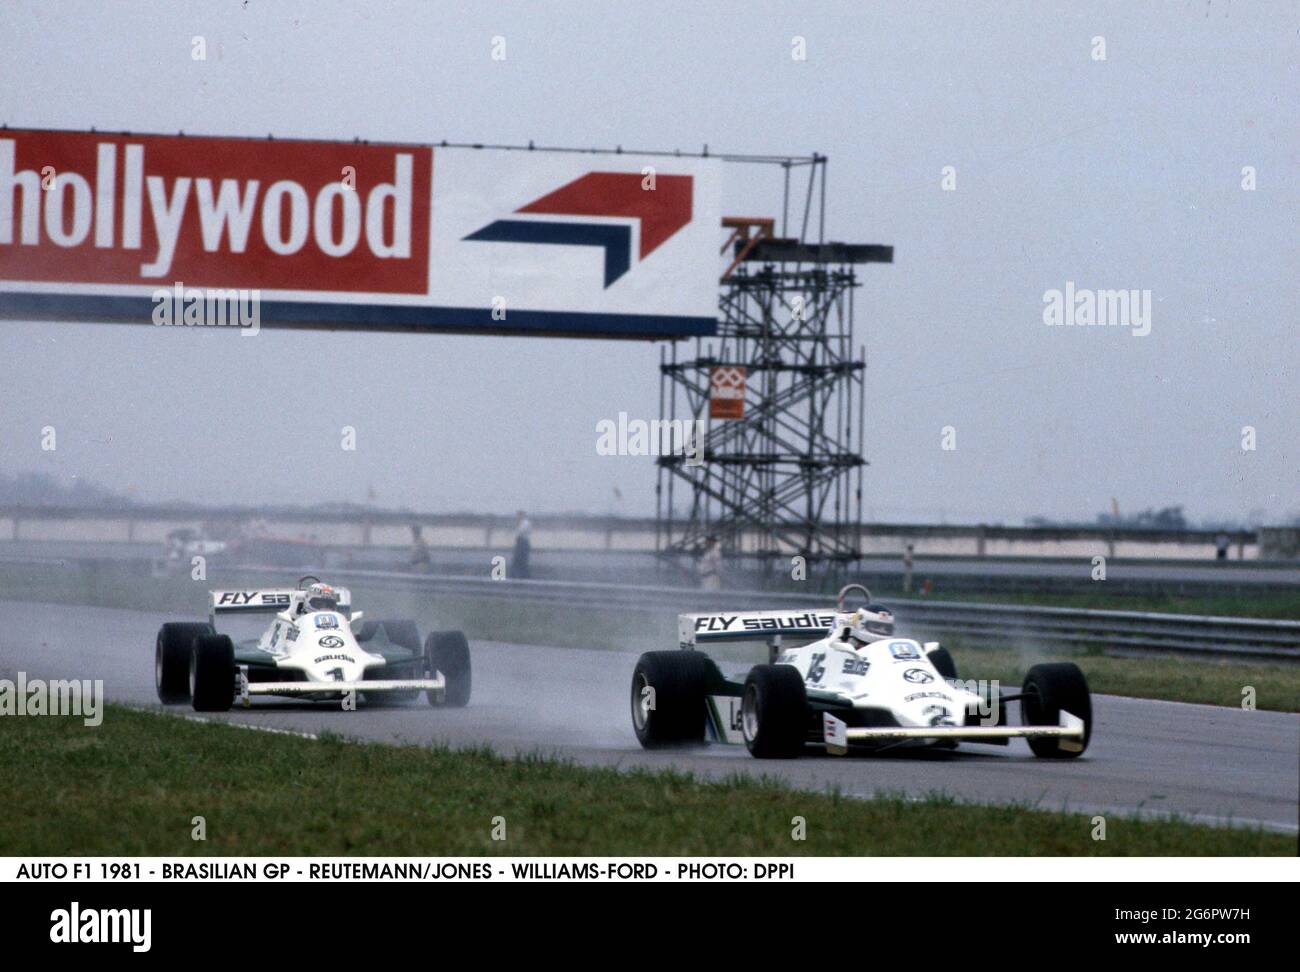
(1122, 173)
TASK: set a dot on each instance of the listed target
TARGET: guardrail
(364, 526)
(1005, 625)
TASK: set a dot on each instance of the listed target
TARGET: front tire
(212, 673)
(943, 663)
(402, 633)
(448, 652)
(171, 660)
(668, 698)
(1048, 691)
(774, 712)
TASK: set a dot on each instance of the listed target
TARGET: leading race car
(848, 682)
(315, 648)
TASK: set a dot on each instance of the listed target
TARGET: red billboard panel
(111, 227)
(81, 207)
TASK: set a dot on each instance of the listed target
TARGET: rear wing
(269, 601)
(704, 629)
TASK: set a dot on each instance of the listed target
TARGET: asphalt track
(1214, 764)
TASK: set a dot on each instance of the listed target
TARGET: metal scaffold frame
(784, 480)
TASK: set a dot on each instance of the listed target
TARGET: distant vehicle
(315, 648)
(185, 543)
(846, 682)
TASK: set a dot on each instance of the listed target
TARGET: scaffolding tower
(784, 478)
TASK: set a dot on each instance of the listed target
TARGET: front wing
(246, 689)
(837, 735)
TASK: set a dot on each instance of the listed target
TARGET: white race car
(846, 681)
(315, 648)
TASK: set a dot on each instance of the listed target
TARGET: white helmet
(321, 597)
(870, 623)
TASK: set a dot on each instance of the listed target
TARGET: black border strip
(104, 308)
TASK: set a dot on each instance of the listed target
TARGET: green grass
(133, 785)
(1276, 687)
(1278, 605)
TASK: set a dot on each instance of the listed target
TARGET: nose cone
(333, 654)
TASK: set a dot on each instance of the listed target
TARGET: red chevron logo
(661, 211)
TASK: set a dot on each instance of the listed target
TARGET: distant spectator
(907, 568)
(419, 549)
(1221, 546)
(523, 547)
(711, 564)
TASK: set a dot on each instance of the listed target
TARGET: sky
(1124, 173)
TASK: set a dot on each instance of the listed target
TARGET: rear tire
(677, 682)
(774, 712)
(448, 652)
(1048, 690)
(171, 660)
(212, 673)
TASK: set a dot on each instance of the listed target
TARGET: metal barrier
(1006, 625)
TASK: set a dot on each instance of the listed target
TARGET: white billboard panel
(345, 234)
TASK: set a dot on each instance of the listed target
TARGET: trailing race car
(847, 682)
(316, 648)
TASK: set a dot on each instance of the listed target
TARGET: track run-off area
(1206, 763)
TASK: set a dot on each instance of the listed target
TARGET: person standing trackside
(419, 549)
(711, 564)
(523, 547)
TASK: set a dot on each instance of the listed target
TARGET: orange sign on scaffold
(727, 392)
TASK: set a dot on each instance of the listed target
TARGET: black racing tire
(171, 659)
(405, 634)
(774, 712)
(402, 632)
(1047, 691)
(678, 684)
(212, 673)
(448, 652)
(943, 663)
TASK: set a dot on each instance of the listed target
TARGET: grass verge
(133, 785)
(1278, 605)
(1272, 687)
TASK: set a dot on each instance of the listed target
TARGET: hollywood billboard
(96, 227)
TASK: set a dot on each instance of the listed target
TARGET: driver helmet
(869, 624)
(321, 597)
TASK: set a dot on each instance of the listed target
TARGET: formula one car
(316, 648)
(848, 682)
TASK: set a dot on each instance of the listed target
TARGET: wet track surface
(1216, 764)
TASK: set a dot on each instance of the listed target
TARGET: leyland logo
(660, 212)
